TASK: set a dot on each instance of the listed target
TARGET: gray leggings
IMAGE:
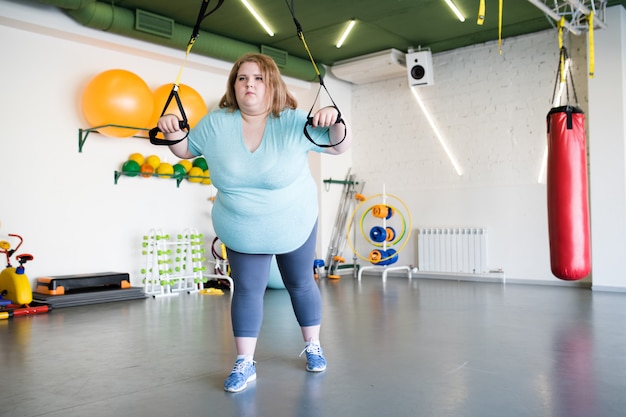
(250, 273)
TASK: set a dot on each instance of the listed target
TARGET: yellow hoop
(404, 235)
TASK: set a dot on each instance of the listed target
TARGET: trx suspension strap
(481, 13)
(500, 26)
(481, 19)
(309, 121)
(184, 124)
(592, 64)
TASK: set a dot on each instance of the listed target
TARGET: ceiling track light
(258, 17)
(455, 10)
(346, 32)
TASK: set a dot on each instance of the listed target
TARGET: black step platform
(67, 284)
(82, 289)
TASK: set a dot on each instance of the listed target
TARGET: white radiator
(452, 249)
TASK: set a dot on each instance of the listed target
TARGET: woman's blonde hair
(279, 96)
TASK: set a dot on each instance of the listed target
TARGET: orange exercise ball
(192, 101)
(117, 97)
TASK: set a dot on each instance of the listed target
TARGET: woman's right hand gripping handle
(175, 131)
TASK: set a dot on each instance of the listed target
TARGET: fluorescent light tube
(456, 10)
(562, 84)
(346, 33)
(433, 126)
(557, 100)
(258, 17)
(541, 179)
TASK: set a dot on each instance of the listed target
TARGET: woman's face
(250, 89)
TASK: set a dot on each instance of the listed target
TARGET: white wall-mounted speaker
(419, 67)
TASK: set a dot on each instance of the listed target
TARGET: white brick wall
(491, 109)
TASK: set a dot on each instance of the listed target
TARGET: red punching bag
(568, 204)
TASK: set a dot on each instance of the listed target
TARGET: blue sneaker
(315, 361)
(242, 373)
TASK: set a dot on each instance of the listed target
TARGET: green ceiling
(381, 24)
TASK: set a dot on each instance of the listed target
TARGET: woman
(267, 200)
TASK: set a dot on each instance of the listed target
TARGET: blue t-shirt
(267, 199)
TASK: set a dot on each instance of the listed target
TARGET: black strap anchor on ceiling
(184, 124)
(309, 121)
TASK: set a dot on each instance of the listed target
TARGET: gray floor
(406, 348)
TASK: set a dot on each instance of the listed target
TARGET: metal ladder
(337, 242)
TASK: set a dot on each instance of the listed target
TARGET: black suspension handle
(309, 119)
(309, 122)
(158, 141)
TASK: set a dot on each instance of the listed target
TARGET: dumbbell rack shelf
(82, 138)
(179, 179)
(83, 133)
